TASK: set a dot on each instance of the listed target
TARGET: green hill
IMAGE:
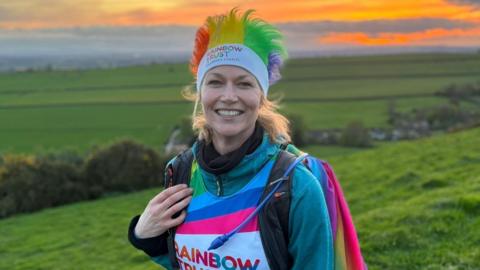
(416, 206)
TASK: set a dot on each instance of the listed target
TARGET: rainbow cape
(347, 252)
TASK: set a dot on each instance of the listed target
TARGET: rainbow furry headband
(252, 44)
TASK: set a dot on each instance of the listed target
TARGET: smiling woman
(218, 209)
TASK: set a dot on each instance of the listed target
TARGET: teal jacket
(310, 242)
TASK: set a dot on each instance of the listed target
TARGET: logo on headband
(225, 52)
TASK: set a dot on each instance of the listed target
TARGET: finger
(160, 197)
(178, 206)
(167, 203)
(178, 220)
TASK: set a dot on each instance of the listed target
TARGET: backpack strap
(178, 172)
(274, 217)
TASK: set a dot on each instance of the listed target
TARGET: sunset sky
(383, 22)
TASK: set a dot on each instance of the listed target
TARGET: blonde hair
(275, 124)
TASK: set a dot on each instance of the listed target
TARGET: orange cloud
(194, 12)
(67, 13)
(395, 39)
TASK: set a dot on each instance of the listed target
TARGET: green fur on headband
(263, 38)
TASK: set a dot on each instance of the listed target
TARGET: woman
(235, 60)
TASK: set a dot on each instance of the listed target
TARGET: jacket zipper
(219, 185)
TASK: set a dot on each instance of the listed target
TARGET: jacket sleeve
(310, 243)
(155, 247)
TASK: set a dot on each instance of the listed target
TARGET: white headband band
(234, 55)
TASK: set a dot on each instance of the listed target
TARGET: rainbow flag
(347, 252)
(348, 255)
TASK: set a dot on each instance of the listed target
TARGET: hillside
(416, 206)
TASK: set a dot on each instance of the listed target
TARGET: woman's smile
(228, 113)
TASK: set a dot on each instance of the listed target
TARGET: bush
(298, 129)
(29, 183)
(356, 135)
(186, 135)
(124, 166)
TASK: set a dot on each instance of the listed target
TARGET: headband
(242, 41)
(234, 55)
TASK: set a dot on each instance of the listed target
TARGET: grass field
(54, 110)
(80, 127)
(415, 205)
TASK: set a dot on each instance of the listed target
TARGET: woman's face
(230, 98)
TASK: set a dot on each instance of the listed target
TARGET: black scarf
(211, 161)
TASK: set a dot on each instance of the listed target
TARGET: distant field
(44, 111)
(80, 127)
